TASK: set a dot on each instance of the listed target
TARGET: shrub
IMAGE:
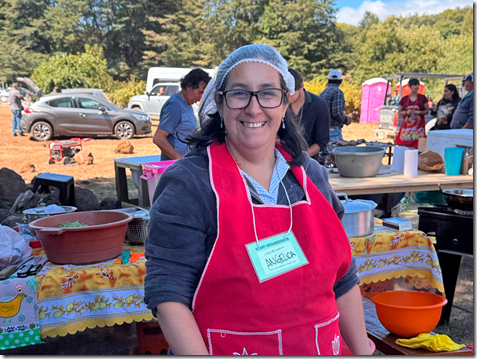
(121, 91)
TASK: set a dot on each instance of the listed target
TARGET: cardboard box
(422, 146)
(467, 163)
(399, 224)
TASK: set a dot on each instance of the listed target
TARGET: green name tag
(275, 256)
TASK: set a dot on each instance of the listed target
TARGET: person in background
(394, 99)
(246, 183)
(312, 114)
(56, 89)
(16, 107)
(444, 109)
(335, 100)
(464, 113)
(412, 108)
(160, 92)
(177, 119)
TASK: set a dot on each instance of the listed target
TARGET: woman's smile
(253, 124)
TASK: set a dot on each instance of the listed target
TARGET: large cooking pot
(358, 161)
(358, 220)
(460, 198)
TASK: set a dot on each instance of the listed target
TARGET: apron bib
(292, 314)
(412, 128)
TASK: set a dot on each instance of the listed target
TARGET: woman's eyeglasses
(239, 99)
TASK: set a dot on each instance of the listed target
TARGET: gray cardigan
(183, 227)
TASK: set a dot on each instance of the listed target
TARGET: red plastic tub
(103, 239)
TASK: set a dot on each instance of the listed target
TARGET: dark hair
(455, 94)
(338, 82)
(194, 78)
(298, 78)
(413, 82)
(57, 89)
(291, 137)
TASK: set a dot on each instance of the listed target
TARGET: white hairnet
(248, 53)
(255, 53)
(207, 103)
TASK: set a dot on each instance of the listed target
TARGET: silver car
(81, 115)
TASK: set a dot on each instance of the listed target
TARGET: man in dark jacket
(313, 115)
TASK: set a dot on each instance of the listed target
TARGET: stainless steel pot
(33, 214)
(358, 161)
(358, 220)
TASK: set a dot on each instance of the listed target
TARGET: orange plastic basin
(103, 239)
(407, 313)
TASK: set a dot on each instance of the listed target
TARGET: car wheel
(42, 131)
(136, 108)
(124, 129)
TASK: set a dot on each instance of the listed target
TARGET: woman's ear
(219, 103)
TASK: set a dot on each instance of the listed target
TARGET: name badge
(276, 255)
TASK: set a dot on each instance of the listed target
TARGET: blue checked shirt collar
(279, 172)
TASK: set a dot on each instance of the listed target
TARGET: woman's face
(414, 88)
(252, 127)
(448, 94)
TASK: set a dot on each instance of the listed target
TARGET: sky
(352, 11)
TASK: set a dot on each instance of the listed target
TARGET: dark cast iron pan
(459, 198)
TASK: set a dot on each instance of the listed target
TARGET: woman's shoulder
(317, 172)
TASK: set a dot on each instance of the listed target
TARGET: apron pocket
(328, 337)
(227, 342)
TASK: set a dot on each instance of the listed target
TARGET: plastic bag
(13, 247)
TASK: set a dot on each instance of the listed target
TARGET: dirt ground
(17, 152)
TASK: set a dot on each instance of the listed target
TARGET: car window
(155, 90)
(171, 90)
(61, 102)
(87, 103)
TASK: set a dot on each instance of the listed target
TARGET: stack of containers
(152, 172)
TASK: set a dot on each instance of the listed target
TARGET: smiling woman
(257, 261)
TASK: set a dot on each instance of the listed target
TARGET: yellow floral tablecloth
(392, 260)
(72, 298)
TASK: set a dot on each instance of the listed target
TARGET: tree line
(131, 36)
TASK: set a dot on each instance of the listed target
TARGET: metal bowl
(358, 161)
(39, 212)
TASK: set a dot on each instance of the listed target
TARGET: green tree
(230, 24)
(369, 19)
(390, 48)
(87, 69)
(305, 33)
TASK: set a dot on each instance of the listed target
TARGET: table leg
(143, 193)
(450, 265)
(121, 183)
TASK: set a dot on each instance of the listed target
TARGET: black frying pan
(458, 198)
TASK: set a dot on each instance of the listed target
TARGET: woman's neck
(413, 96)
(258, 163)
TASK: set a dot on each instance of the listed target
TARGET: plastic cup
(453, 160)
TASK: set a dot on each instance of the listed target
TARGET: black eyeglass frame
(251, 94)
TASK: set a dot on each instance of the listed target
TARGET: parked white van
(162, 83)
(169, 74)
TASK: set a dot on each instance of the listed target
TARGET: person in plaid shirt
(334, 97)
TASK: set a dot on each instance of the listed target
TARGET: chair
(66, 185)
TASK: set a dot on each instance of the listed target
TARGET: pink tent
(372, 99)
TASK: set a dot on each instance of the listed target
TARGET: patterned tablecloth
(392, 260)
(72, 298)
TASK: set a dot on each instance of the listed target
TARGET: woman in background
(444, 110)
(412, 108)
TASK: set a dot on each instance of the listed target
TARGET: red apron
(292, 314)
(412, 128)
